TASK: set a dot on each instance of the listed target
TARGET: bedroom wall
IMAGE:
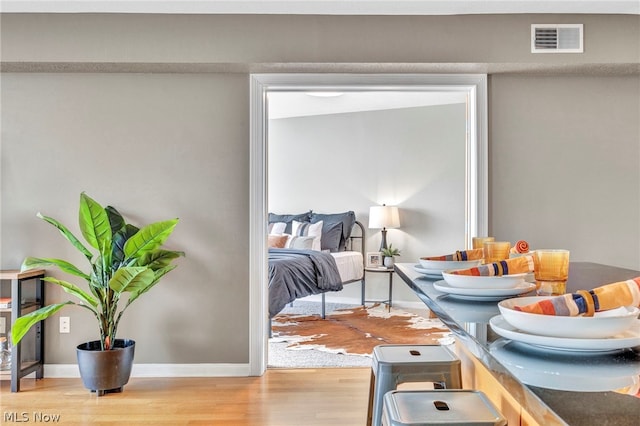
(410, 157)
(151, 114)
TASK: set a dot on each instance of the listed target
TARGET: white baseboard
(61, 370)
(159, 370)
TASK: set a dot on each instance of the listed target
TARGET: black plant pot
(105, 371)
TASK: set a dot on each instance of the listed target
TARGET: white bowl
(601, 325)
(443, 265)
(474, 281)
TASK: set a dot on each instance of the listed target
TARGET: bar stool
(396, 364)
(439, 407)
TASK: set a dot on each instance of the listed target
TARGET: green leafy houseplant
(390, 251)
(129, 260)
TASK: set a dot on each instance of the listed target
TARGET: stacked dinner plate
(483, 288)
(434, 268)
(605, 331)
(598, 372)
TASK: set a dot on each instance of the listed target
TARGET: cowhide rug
(356, 331)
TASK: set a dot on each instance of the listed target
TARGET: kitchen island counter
(550, 386)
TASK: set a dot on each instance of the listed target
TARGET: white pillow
(306, 229)
(277, 228)
(299, 243)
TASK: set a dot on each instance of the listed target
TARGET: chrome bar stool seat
(439, 407)
(396, 364)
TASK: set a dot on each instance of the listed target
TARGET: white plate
(482, 282)
(627, 339)
(434, 273)
(486, 294)
(443, 265)
(596, 372)
(602, 324)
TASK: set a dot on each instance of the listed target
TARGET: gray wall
(155, 146)
(151, 114)
(564, 166)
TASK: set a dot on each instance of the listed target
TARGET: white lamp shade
(384, 217)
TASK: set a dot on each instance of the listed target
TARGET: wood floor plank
(281, 397)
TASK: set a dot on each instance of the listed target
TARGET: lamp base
(383, 242)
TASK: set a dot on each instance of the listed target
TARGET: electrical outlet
(65, 325)
(3, 325)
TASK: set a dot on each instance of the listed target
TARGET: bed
(313, 253)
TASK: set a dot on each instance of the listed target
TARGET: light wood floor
(300, 397)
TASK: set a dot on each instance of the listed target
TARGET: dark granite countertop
(580, 388)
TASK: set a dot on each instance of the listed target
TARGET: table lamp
(383, 217)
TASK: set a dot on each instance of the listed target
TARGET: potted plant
(388, 254)
(129, 261)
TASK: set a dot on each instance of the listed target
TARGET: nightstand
(378, 270)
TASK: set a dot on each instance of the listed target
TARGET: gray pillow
(331, 237)
(347, 219)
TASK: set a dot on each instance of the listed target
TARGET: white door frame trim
(476, 203)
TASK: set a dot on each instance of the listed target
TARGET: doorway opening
(267, 90)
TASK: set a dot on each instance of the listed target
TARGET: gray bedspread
(298, 273)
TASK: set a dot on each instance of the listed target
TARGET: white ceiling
(299, 104)
(323, 7)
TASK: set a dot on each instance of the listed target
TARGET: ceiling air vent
(557, 38)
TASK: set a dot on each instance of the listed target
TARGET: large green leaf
(94, 224)
(149, 238)
(22, 325)
(115, 219)
(158, 258)
(158, 274)
(131, 279)
(119, 240)
(73, 290)
(39, 263)
(68, 235)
